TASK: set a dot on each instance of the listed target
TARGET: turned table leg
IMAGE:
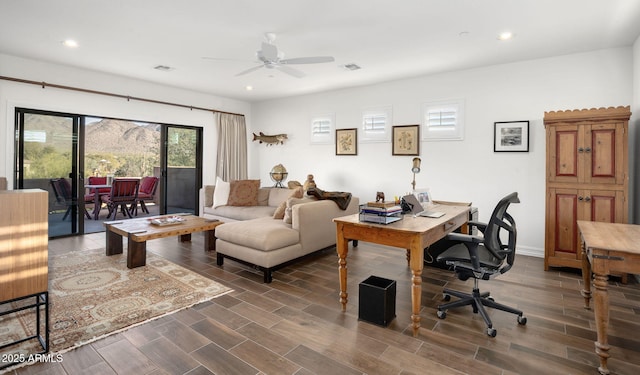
(601, 301)
(342, 247)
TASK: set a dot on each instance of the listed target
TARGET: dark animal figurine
(380, 197)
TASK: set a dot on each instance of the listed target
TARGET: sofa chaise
(251, 235)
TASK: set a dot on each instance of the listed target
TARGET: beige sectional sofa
(251, 234)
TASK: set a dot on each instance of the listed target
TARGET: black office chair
(482, 257)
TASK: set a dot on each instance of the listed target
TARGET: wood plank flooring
(295, 326)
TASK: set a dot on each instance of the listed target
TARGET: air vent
(163, 68)
(351, 66)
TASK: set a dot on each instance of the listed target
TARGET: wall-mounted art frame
(511, 136)
(347, 141)
(406, 140)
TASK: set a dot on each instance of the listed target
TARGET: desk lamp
(415, 169)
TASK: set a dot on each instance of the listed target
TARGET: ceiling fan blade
(225, 59)
(308, 60)
(290, 71)
(269, 51)
(249, 70)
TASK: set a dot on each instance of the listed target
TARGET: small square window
(322, 129)
(443, 120)
(376, 124)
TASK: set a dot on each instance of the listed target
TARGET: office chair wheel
(492, 332)
(441, 314)
(490, 298)
(522, 320)
(446, 297)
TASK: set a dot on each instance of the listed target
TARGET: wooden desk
(606, 248)
(411, 233)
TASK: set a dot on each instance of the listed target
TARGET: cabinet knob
(580, 198)
(580, 149)
(587, 199)
(588, 149)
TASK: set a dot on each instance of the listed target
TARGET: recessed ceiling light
(505, 35)
(70, 43)
(249, 88)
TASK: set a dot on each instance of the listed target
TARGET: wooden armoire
(587, 177)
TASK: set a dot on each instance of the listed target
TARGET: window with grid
(322, 129)
(443, 120)
(376, 124)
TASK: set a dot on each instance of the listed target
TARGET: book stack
(380, 212)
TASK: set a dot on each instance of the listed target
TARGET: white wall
(466, 170)
(634, 136)
(13, 94)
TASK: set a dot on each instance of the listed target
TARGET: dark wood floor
(295, 325)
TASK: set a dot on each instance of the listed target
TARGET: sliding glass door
(47, 158)
(182, 168)
(74, 156)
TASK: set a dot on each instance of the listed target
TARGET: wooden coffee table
(139, 231)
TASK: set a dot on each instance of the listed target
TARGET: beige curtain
(232, 147)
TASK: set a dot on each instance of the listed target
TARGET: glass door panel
(46, 154)
(183, 171)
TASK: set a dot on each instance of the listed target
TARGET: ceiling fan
(271, 58)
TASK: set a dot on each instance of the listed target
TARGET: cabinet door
(604, 149)
(562, 229)
(563, 162)
(602, 205)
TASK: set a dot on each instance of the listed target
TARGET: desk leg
(601, 302)
(342, 247)
(586, 278)
(184, 237)
(416, 264)
(114, 243)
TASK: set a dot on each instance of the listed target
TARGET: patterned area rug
(92, 296)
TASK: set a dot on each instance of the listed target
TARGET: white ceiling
(388, 39)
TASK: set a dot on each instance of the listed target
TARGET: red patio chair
(147, 192)
(124, 194)
(62, 190)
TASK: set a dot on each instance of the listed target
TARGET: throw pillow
(279, 214)
(288, 212)
(221, 193)
(208, 195)
(243, 193)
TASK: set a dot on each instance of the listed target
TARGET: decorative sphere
(279, 173)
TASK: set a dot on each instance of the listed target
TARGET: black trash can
(377, 300)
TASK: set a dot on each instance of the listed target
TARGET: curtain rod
(45, 84)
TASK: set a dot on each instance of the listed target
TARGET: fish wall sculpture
(270, 140)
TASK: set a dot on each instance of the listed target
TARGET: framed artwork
(406, 140)
(424, 197)
(511, 136)
(347, 141)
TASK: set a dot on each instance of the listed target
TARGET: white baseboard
(530, 251)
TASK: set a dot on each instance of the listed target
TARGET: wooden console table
(411, 233)
(24, 259)
(606, 248)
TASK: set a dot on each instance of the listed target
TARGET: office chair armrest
(461, 237)
(479, 225)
